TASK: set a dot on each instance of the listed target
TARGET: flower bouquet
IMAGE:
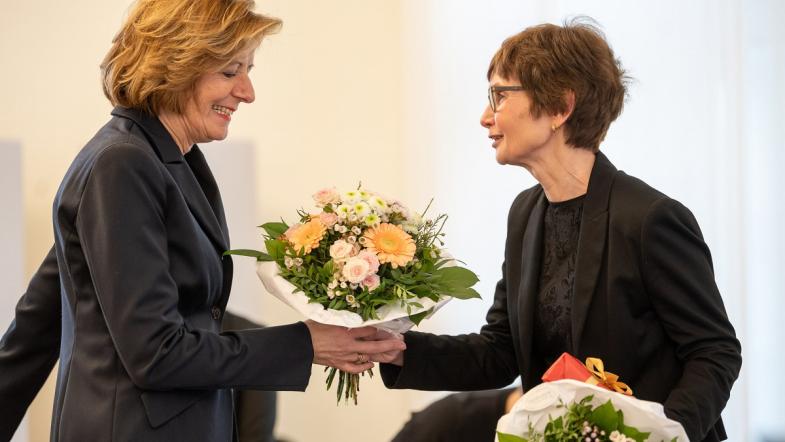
(587, 404)
(360, 260)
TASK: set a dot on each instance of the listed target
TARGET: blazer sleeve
(122, 231)
(477, 361)
(31, 345)
(678, 274)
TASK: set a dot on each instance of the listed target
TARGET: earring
(554, 127)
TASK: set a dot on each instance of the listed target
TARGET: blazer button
(216, 313)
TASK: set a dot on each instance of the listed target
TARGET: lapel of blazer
(531, 261)
(201, 170)
(169, 153)
(591, 243)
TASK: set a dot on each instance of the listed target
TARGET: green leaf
(605, 417)
(509, 437)
(275, 248)
(456, 277)
(634, 433)
(275, 230)
(463, 293)
(554, 425)
(260, 256)
(418, 317)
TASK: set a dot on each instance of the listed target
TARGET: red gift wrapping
(568, 367)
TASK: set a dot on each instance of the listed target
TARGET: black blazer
(139, 233)
(31, 346)
(644, 301)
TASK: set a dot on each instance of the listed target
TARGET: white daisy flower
(378, 204)
(372, 220)
(344, 211)
(351, 196)
(361, 209)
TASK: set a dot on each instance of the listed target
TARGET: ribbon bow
(606, 378)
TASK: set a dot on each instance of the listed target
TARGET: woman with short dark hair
(597, 263)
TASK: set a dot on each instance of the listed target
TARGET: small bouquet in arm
(360, 260)
(583, 402)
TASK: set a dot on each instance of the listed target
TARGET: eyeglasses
(494, 96)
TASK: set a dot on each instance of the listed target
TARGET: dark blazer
(31, 346)
(139, 236)
(459, 417)
(644, 301)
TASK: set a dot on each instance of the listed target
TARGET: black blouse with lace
(553, 315)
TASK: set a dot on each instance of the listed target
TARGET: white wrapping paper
(540, 403)
(392, 318)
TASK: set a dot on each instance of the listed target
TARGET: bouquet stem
(348, 383)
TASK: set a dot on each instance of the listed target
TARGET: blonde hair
(164, 46)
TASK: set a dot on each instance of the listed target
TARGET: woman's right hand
(394, 357)
(347, 349)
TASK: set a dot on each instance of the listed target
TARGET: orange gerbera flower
(391, 244)
(306, 237)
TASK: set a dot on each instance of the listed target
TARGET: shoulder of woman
(634, 203)
(116, 162)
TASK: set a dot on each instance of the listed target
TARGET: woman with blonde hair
(139, 236)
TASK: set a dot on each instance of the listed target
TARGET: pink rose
(341, 250)
(355, 270)
(326, 196)
(371, 258)
(371, 282)
(328, 219)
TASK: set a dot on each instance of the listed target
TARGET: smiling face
(517, 135)
(216, 96)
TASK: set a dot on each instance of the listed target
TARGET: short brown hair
(165, 45)
(550, 60)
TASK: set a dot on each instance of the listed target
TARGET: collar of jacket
(159, 137)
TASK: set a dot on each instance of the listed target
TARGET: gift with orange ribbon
(592, 372)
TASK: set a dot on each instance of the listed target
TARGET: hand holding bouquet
(360, 260)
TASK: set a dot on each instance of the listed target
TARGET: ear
(560, 118)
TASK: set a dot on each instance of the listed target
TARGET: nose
(244, 89)
(487, 118)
